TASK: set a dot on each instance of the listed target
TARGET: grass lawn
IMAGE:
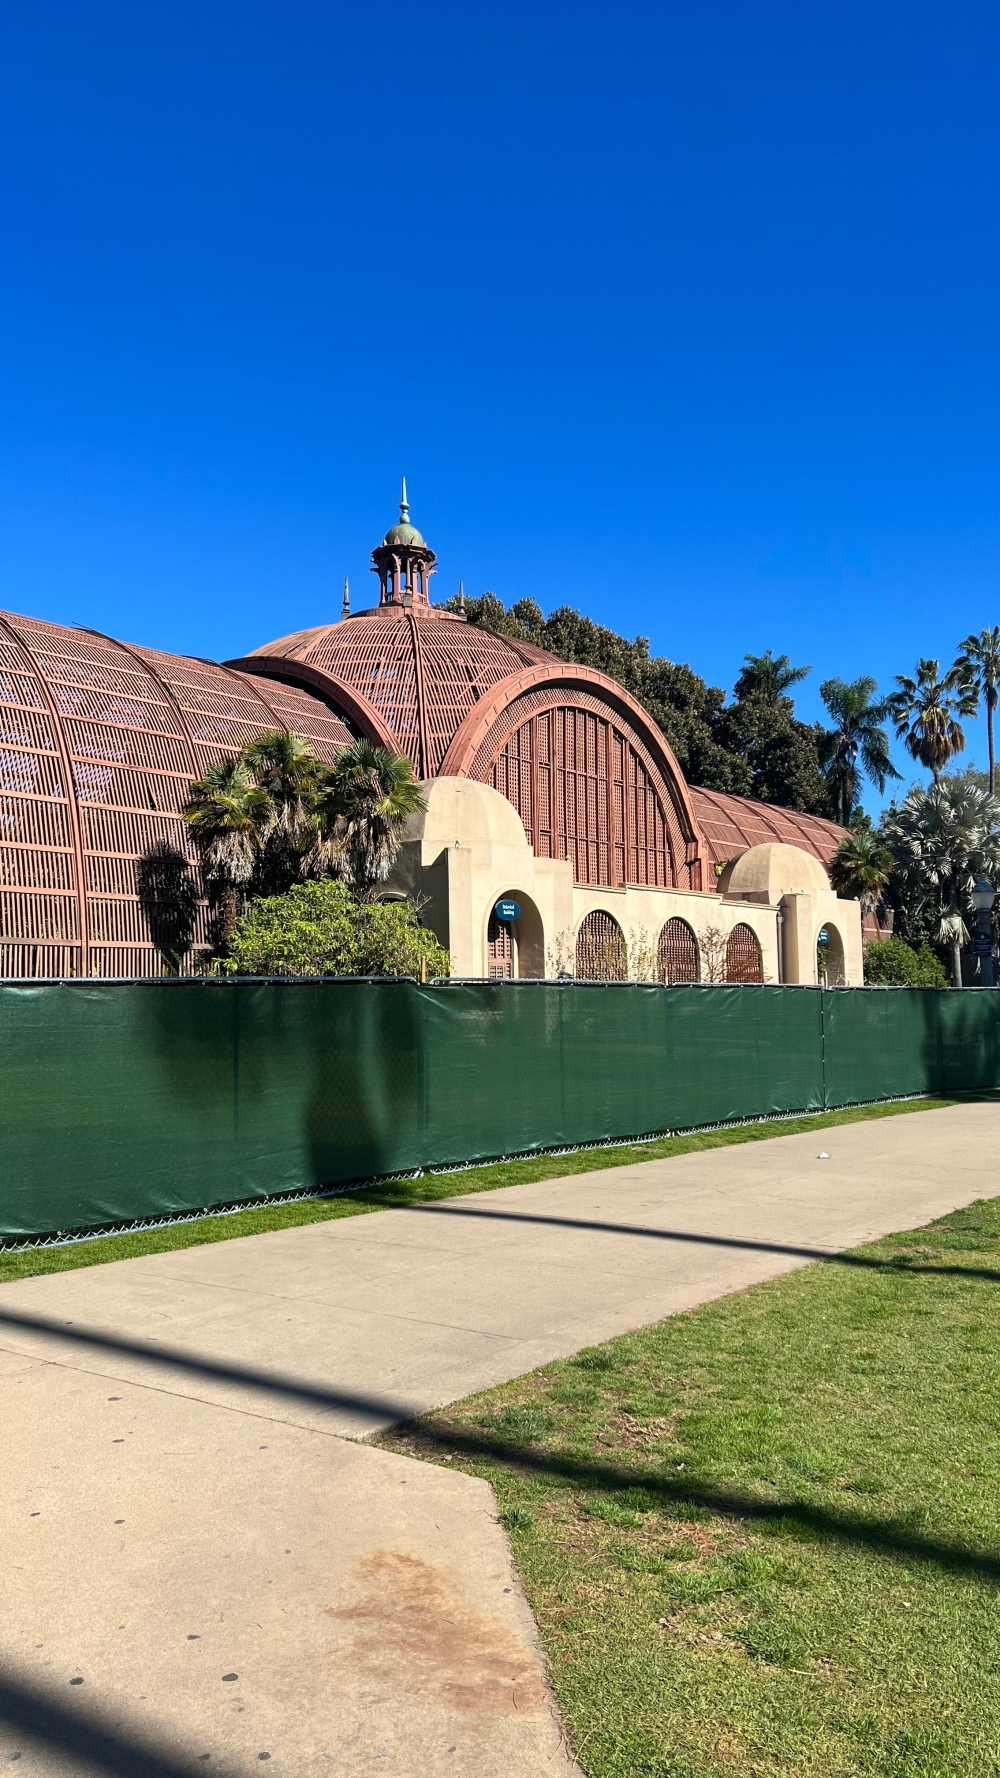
(395, 1195)
(762, 1537)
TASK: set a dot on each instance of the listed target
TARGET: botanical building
(547, 786)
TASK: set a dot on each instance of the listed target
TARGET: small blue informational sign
(982, 944)
(508, 910)
(824, 937)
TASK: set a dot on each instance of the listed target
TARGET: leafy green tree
(892, 963)
(861, 869)
(228, 816)
(361, 810)
(857, 735)
(981, 655)
(168, 897)
(926, 709)
(941, 840)
(321, 928)
(780, 755)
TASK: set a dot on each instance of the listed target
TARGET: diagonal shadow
(87, 1735)
(866, 1262)
(376, 1408)
(884, 1535)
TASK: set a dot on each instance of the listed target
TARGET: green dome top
(404, 532)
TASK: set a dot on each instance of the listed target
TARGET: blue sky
(683, 315)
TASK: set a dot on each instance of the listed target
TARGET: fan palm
(228, 816)
(981, 655)
(858, 734)
(290, 774)
(942, 839)
(860, 870)
(362, 809)
(768, 676)
(926, 711)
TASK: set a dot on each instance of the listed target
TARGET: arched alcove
(830, 966)
(515, 947)
(677, 957)
(744, 958)
(601, 953)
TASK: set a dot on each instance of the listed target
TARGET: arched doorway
(677, 954)
(830, 971)
(515, 947)
(601, 954)
(744, 957)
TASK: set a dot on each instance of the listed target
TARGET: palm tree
(290, 774)
(767, 676)
(861, 868)
(362, 810)
(981, 655)
(858, 734)
(942, 839)
(925, 712)
(228, 816)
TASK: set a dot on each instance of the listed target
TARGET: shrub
(892, 963)
(322, 929)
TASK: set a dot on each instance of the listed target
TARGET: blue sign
(982, 944)
(824, 937)
(508, 910)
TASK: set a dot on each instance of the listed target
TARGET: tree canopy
(320, 928)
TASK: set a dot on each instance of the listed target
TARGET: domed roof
(421, 671)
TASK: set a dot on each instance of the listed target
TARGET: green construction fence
(122, 1101)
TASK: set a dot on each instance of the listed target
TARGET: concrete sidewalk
(184, 1506)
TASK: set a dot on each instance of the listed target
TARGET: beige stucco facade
(468, 849)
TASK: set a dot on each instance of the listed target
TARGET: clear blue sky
(683, 314)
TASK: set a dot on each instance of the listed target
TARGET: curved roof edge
(313, 679)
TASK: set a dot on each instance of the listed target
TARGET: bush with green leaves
(892, 963)
(321, 928)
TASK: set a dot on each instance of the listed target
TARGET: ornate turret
(403, 563)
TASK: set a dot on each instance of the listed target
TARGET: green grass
(397, 1194)
(763, 1537)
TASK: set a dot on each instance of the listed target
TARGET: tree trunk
(956, 961)
(989, 744)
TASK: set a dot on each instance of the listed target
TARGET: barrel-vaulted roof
(732, 824)
(99, 741)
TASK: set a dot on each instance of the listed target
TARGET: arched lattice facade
(98, 744)
(601, 954)
(501, 946)
(677, 953)
(584, 793)
(744, 957)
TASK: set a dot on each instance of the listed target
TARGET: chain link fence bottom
(68, 1238)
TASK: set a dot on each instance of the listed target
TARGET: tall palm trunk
(956, 961)
(989, 742)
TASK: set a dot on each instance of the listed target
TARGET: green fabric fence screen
(126, 1100)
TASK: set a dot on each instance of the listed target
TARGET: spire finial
(461, 595)
(345, 609)
(404, 505)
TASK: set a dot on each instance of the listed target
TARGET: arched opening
(677, 954)
(830, 971)
(601, 955)
(744, 957)
(515, 947)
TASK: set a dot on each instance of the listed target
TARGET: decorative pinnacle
(404, 506)
(345, 609)
(461, 595)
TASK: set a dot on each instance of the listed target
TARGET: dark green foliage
(755, 747)
(892, 963)
(321, 928)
